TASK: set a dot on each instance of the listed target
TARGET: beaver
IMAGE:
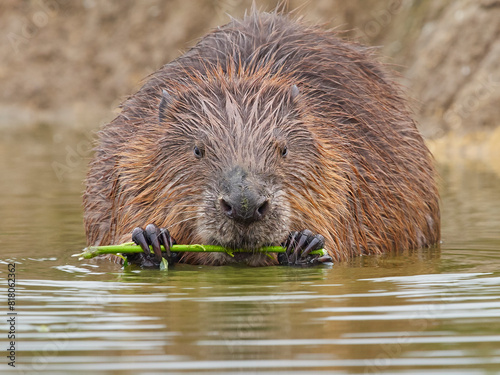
(268, 131)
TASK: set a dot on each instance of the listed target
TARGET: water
(430, 311)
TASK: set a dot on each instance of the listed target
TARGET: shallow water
(429, 311)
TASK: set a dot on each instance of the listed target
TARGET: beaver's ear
(290, 99)
(166, 100)
(294, 92)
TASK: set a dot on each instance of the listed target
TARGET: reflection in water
(432, 310)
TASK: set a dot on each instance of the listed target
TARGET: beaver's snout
(243, 209)
(241, 199)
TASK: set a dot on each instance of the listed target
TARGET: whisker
(200, 207)
(184, 220)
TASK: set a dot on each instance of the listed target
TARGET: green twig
(130, 247)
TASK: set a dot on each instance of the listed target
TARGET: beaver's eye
(284, 151)
(198, 152)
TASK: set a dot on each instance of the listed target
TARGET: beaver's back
(384, 195)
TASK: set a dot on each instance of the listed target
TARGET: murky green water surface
(430, 311)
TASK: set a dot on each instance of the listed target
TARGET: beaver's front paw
(298, 247)
(155, 237)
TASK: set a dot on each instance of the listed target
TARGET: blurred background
(68, 64)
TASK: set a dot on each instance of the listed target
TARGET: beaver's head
(230, 151)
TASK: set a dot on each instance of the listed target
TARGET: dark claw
(325, 259)
(166, 241)
(155, 237)
(152, 233)
(302, 243)
(304, 236)
(318, 242)
(139, 239)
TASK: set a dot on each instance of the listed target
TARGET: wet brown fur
(358, 171)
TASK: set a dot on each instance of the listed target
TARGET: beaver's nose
(244, 209)
(242, 197)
